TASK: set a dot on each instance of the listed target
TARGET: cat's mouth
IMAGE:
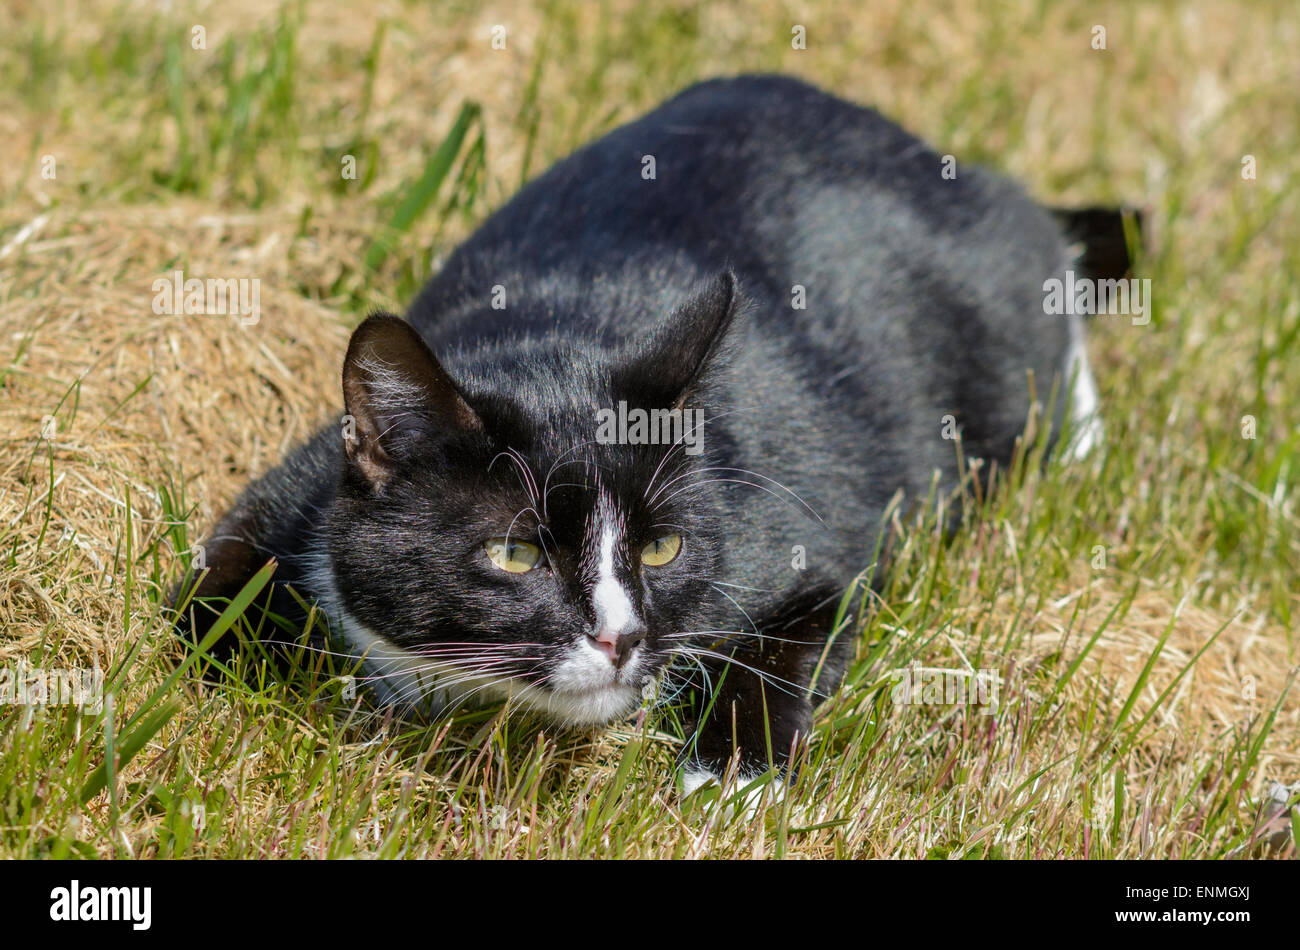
(586, 689)
(569, 683)
(592, 706)
(611, 688)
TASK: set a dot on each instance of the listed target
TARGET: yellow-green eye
(662, 550)
(517, 557)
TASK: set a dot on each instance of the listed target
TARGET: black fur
(924, 298)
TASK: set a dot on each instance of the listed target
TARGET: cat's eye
(661, 550)
(517, 557)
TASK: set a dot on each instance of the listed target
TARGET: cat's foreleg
(757, 705)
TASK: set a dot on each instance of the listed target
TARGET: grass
(1139, 609)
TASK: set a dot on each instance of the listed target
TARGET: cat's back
(768, 175)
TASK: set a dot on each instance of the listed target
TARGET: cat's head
(513, 530)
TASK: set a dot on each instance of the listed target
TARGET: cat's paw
(1088, 435)
(743, 793)
(695, 779)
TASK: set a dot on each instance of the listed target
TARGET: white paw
(1088, 434)
(735, 796)
(693, 779)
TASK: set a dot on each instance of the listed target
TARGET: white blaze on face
(609, 597)
(610, 600)
(587, 683)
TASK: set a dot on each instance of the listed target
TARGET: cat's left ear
(685, 348)
(397, 395)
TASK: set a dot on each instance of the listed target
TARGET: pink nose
(618, 645)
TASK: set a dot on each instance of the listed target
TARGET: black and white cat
(797, 279)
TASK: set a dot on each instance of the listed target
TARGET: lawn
(1140, 608)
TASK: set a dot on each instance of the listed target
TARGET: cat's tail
(1107, 238)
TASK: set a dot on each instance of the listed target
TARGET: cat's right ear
(681, 353)
(397, 396)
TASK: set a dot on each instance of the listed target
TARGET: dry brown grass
(140, 400)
